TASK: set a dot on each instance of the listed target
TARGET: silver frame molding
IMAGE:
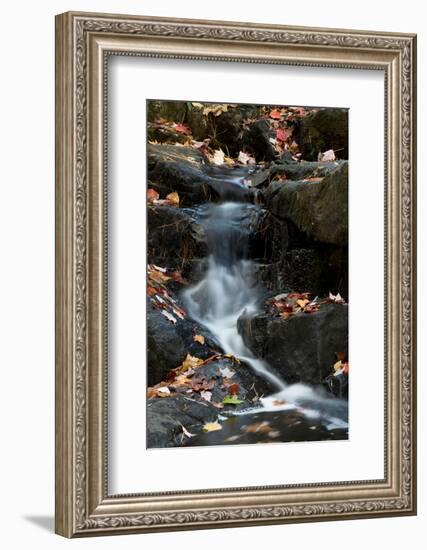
(83, 43)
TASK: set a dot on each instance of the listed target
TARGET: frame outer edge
(64, 276)
(73, 517)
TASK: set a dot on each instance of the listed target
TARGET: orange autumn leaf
(233, 389)
(152, 195)
(173, 198)
(275, 114)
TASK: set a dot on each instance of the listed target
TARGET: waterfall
(229, 287)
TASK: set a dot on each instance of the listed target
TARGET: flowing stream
(228, 289)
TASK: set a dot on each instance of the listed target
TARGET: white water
(228, 289)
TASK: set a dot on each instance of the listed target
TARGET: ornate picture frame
(84, 42)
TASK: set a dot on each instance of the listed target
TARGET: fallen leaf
(244, 158)
(173, 198)
(337, 366)
(302, 303)
(168, 316)
(233, 438)
(231, 400)
(199, 338)
(282, 134)
(152, 195)
(275, 114)
(233, 389)
(278, 402)
(345, 368)
(226, 372)
(158, 276)
(216, 109)
(337, 299)
(186, 432)
(206, 395)
(212, 427)
(190, 362)
(182, 380)
(163, 392)
(218, 157)
(182, 129)
(258, 427)
(327, 156)
(178, 278)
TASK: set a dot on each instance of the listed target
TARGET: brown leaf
(258, 427)
(233, 389)
(158, 276)
(199, 338)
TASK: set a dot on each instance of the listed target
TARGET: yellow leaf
(302, 303)
(199, 338)
(337, 366)
(218, 157)
(158, 276)
(190, 362)
(212, 427)
(173, 198)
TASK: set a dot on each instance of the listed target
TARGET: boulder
(163, 134)
(319, 209)
(181, 169)
(188, 408)
(322, 130)
(299, 170)
(175, 238)
(174, 111)
(302, 347)
(167, 416)
(257, 140)
(169, 343)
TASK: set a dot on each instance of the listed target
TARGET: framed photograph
(235, 221)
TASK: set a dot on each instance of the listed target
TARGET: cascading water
(228, 288)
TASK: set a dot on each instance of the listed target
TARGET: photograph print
(247, 274)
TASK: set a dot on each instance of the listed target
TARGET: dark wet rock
(167, 416)
(250, 385)
(318, 209)
(299, 170)
(226, 131)
(173, 111)
(323, 130)
(163, 134)
(169, 343)
(183, 169)
(175, 237)
(188, 408)
(319, 270)
(270, 237)
(257, 141)
(172, 168)
(302, 347)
